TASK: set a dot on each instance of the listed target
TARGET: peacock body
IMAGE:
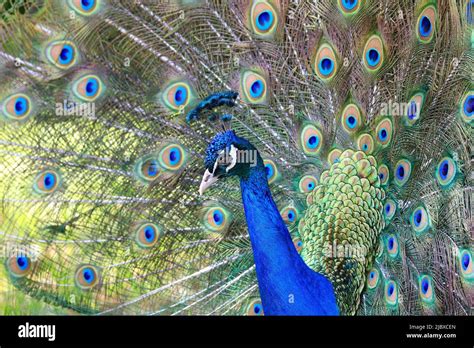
(335, 138)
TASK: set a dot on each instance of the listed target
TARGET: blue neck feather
(287, 285)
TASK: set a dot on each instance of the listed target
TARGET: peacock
(257, 157)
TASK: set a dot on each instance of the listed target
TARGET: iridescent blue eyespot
(19, 265)
(349, 4)
(307, 183)
(465, 260)
(84, 7)
(216, 219)
(21, 106)
(63, 54)
(349, 7)
(351, 122)
(392, 246)
(87, 5)
(373, 53)
(91, 87)
(271, 170)
(256, 89)
(412, 110)
(420, 220)
(389, 210)
(373, 57)
(66, 55)
(311, 140)
(87, 277)
(22, 262)
(265, 20)
(46, 182)
(325, 63)
(326, 66)
(391, 293)
(425, 26)
(17, 107)
(373, 278)
(172, 157)
(255, 308)
(469, 106)
(351, 118)
(180, 96)
(177, 95)
(147, 235)
(402, 172)
(289, 214)
(426, 290)
(446, 171)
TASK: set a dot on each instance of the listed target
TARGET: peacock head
(229, 155)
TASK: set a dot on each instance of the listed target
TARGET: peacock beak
(207, 181)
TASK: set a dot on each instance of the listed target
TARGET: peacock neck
(287, 285)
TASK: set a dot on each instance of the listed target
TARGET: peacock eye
(17, 107)
(147, 235)
(84, 7)
(420, 220)
(389, 210)
(298, 244)
(426, 291)
(365, 142)
(392, 246)
(373, 53)
(351, 119)
(326, 62)
(264, 18)
(391, 293)
(384, 132)
(349, 7)
(47, 182)
(255, 308)
(467, 107)
(19, 265)
(465, 261)
(426, 24)
(254, 87)
(384, 174)
(147, 169)
(413, 110)
(373, 278)
(177, 96)
(216, 219)
(271, 170)
(172, 157)
(87, 277)
(446, 171)
(289, 214)
(307, 183)
(88, 88)
(311, 140)
(402, 172)
(62, 54)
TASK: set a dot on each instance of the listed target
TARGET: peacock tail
(361, 109)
